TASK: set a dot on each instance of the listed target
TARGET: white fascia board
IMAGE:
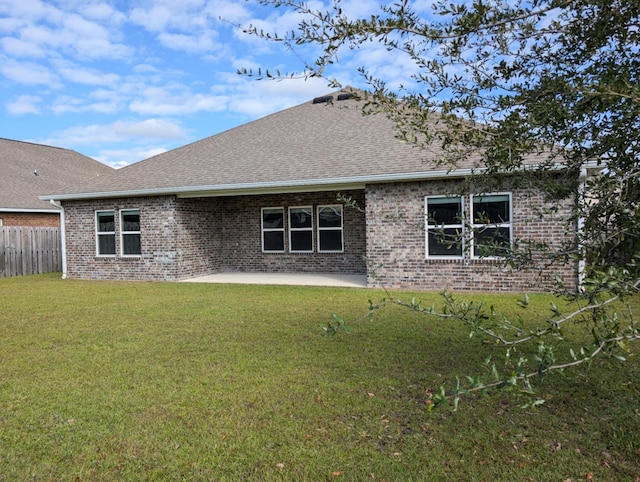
(29, 211)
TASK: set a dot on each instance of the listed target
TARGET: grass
(111, 381)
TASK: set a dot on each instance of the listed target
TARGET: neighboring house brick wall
(396, 240)
(45, 220)
(243, 236)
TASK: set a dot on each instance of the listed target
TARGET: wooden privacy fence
(28, 250)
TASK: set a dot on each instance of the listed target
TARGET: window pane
(444, 211)
(106, 222)
(301, 241)
(330, 240)
(330, 217)
(273, 240)
(491, 241)
(131, 220)
(300, 218)
(491, 209)
(272, 218)
(445, 242)
(106, 244)
(131, 244)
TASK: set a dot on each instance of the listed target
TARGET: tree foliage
(506, 79)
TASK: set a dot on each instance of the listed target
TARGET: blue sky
(121, 81)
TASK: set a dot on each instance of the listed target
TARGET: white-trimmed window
(105, 233)
(444, 219)
(130, 232)
(330, 237)
(273, 230)
(301, 229)
(492, 224)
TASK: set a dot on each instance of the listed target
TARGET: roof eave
(353, 182)
(269, 187)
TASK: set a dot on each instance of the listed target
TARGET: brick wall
(396, 239)
(243, 236)
(160, 251)
(44, 220)
(182, 238)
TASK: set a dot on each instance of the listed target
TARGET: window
(301, 229)
(130, 232)
(105, 233)
(273, 230)
(491, 216)
(444, 227)
(330, 229)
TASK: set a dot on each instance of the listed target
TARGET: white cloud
(155, 19)
(67, 104)
(8, 25)
(189, 43)
(24, 104)
(228, 10)
(86, 76)
(257, 99)
(51, 31)
(117, 132)
(183, 16)
(29, 73)
(118, 158)
(145, 69)
(30, 9)
(90, 39)
(176, 100)
(21, 48)
(150, 128)
(101, 12)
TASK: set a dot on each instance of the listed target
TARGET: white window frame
(320, 228)
(123, 233)
(265, 230)
(476, 226)
(105, 233)
(434, 227)
(298, 230)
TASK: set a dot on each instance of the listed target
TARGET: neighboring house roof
(30, 170)
(315, 145)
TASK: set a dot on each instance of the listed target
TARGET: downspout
(582, 180)
(63, 238)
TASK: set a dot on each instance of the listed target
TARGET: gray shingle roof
(56, 168)
(306, 146)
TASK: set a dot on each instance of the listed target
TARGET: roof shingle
(30, 170)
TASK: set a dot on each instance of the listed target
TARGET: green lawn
(112, 381)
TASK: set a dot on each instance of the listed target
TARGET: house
(269, 196)
(29, 170)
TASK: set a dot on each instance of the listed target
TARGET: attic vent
(347, 96)
(323, 99)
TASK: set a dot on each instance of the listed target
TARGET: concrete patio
(294, 279)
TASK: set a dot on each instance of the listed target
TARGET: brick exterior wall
(396, 240)
(160, 252)
(243, 236)
(39, 220)
(183, 238)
